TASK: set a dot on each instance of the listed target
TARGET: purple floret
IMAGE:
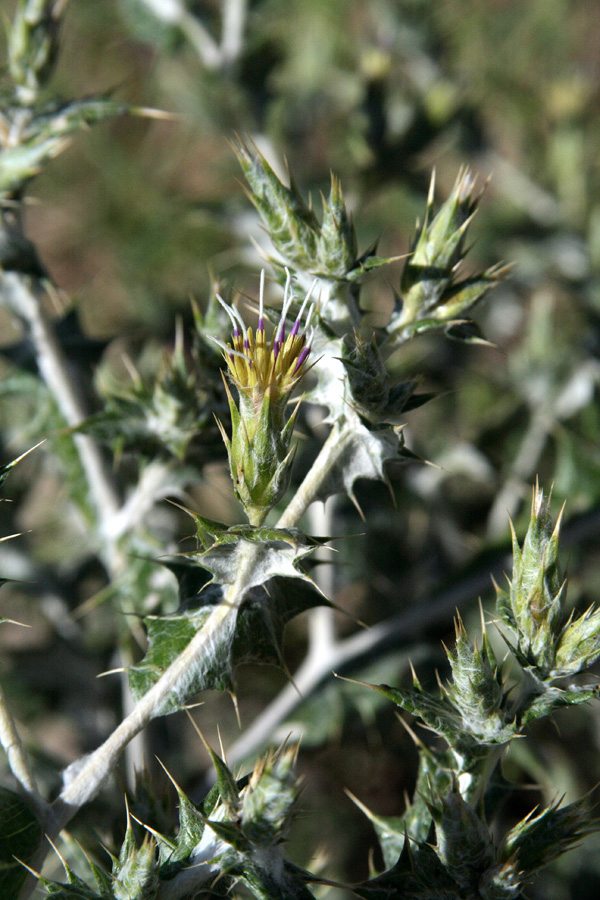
(301, 359)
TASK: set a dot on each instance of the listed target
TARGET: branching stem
(89, 773)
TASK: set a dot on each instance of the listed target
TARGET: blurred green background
(138, 215)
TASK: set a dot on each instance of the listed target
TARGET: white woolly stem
(330, 452)
(89, 773)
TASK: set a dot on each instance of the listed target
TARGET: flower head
(264, 372)
(258, 367)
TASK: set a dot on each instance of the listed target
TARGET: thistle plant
(185, 619)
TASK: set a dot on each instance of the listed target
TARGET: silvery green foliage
(234, 837)
(244, 582)
(276, 588)
(477, 714)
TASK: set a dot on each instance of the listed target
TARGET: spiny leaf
(446, 717)
(435, 772)
(419, 874)
(277, 552)
(46, 136)
(539, 839)
(255, 635)
(373, 394)
(20, 835)
(552, 698)
(363, 452)
(390, 831)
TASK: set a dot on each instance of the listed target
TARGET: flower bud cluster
(549, 640)
(430, 295)
(264, 373)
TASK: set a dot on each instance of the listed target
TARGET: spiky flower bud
(264, 373)
(328, 249)
(534, 605)
(33, 45)
(430, 296)
(374, 396)
(135, 873)
(368, 378)
(477, 690)
(549, 641)
(269, 800)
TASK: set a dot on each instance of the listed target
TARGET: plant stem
(321, 619)
(330, 452)
(17, 759)
(23, 299)
(90, 772)
(232, 36)
(85, 777)
(24, 302)
(213, 56)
